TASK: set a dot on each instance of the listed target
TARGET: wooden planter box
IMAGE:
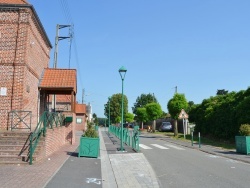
(89, 147)
(242, 144)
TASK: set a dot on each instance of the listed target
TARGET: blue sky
(198, 46)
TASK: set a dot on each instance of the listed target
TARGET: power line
(66, 10)
(68, 17)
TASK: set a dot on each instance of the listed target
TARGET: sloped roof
(16, 2)
(80, 108)
(58, 79)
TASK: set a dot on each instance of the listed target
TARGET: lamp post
(122, 72)
(109, 113)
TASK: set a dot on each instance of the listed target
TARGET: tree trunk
(175, 128)
(142, 125)
(154, 126)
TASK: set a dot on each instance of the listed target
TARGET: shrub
(245, 130)
(90, 132)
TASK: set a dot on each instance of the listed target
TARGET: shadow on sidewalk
(229, 153)
(73, 154)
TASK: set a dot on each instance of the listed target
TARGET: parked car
(166, 126)
(128, 125)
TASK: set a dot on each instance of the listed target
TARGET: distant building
(81, 117)
(89, 111)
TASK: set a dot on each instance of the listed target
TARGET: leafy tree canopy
(129, 118)
(141, 114)
(221, 92)
(154, 111)
(143, 100)
(176, 104)
(221, 116)
(115, 104)
(95, 119)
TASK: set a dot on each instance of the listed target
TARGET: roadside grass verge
(204, 140)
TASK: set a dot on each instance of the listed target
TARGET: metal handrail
(47, 119)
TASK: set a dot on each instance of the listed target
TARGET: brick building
(81, 117)
(24, 53)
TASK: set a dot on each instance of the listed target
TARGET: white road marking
(144, 146)
(213, 156)
(159, 146)
(94, 180)
(175, 147)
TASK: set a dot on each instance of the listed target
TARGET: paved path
(112, 169)
(38, 174)
(124, 169)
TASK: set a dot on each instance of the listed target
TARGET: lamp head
(122, 72)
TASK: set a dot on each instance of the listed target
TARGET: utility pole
(175, 89)
(57, 39)
(82, 96)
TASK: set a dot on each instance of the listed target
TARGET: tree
(115, 107)
(95, 119)
(175, 105)
(154, 111)
(141, 115)
(190, 105)
(143, 100)
(129, 118)
(222, 92)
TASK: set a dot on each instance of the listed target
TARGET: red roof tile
(80, 108)
(16, 2)
(59, 79)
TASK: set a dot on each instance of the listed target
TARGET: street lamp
(109, 113)
(122, 72)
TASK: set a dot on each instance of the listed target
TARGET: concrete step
(16, 152)
(13, 133)
(14, 147)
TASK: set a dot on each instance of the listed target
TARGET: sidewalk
(124, 169)
(112, 169)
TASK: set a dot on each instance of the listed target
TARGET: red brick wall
(23, 56)
(57, 137)
(70, 131)
(81, 126)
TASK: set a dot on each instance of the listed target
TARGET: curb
(181, 143)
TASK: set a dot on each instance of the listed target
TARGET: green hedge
(221, 116)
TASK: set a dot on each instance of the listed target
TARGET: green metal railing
(135, 139)
(47, 120)
(128, 136)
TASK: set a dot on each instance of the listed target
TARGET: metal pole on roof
(57, 39)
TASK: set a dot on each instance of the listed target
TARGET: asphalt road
(177, 166)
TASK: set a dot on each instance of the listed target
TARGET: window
(78, 120)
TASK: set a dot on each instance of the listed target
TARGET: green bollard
(192, 138)
(199, 140)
